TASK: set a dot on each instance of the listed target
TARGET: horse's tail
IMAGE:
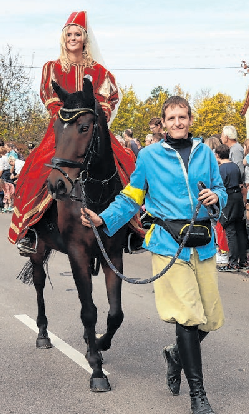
(26, 274)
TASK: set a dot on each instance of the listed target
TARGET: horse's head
(78, 135)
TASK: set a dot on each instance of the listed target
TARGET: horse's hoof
(43, 343)
(100, 384)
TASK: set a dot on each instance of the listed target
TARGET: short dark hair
(1, 143)
(222, 151)
(157, 136)
(129, 133)
(156, 121)
(173, 101)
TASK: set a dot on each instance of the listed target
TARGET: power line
(151, 69)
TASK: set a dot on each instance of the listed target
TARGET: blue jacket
(170, 192)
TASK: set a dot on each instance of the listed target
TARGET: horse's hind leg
(39, 277)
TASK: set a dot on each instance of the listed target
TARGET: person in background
(221, 240)
(128, 136)
(157, 137)
(187, 294)
(232, 216)
(213, 142)
(19, 149)
(4, 165)
(229, 137)
(139, 146)
(156, 126)
(127, 146)
(10, 148)
(16, 166)
(1, 191)
(246, 182)
(8, 199)
(31, 146)
(148, 139)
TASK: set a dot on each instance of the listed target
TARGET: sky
(145, 44)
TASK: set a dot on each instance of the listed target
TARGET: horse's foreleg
(39, 277)
(98, 382)
(115, 315)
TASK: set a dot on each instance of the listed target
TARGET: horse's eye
(83, 128)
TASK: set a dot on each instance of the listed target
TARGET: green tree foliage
(211, 114)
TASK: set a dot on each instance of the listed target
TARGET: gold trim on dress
(37, 208)
(105, 104)
(49, 101)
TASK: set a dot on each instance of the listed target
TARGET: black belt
(234, 190)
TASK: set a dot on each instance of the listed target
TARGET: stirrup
(24, 248)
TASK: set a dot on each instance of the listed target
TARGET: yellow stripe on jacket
(135, 194)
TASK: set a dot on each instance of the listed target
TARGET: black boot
(174, 366)
(190, 355)
(28, 245)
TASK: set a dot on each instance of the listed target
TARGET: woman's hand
(208, 197)
(97, 221)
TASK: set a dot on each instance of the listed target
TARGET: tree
(22, 116)
(178, 91)
(125, 117)
(136, 114)
(212, 114)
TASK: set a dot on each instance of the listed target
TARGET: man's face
(177, 121)
(154, 128)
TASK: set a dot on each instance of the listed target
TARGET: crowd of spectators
(12, 159)
(232, 229)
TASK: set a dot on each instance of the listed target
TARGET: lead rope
(113, 268)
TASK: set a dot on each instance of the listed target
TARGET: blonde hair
(149, 137)
(11, 158)
(212, 142)
(86, 53)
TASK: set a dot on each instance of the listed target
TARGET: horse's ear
(87, 85)
(62, 93)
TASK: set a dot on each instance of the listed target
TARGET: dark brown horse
(83, 166)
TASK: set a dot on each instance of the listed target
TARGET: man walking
(166, 176)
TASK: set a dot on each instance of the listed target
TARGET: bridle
(71, 115)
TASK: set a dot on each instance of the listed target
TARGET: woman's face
(74, 39)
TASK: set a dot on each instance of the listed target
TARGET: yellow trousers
(188, 293)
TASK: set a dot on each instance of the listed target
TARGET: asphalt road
(57, 381)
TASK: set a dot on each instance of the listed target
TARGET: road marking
(58, 343)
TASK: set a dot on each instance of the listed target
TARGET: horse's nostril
(61, 188)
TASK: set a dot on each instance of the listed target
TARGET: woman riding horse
(76, 60)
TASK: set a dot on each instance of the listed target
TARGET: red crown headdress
(78, 18)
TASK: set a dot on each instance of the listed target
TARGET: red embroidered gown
(31, 197)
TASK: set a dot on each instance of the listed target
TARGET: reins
(169, 265)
